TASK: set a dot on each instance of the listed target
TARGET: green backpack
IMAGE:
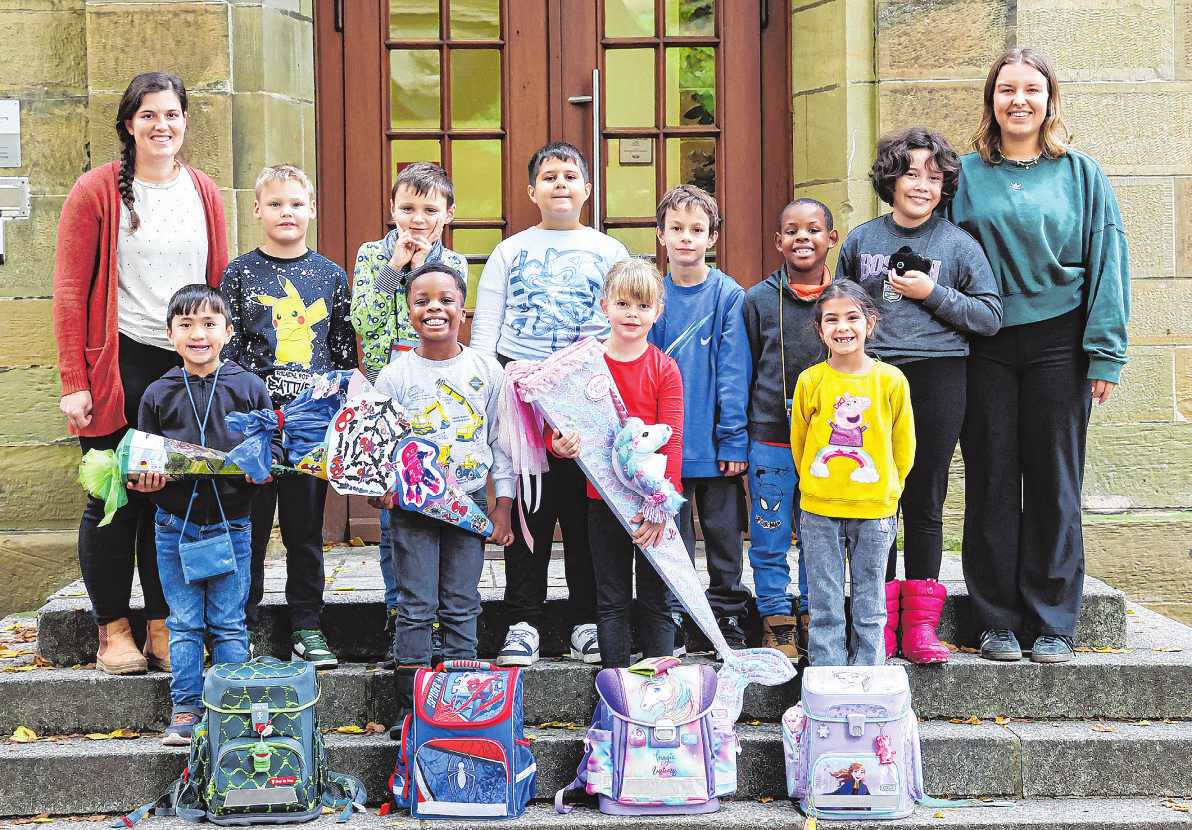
(258, 757)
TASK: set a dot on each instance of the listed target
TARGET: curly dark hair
(894, 159)
(130, 102)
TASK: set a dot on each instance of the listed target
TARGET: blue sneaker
(182, 725)
(1000, 644)
(1052, 649)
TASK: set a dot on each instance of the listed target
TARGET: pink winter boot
(922, 602)
(891, 618)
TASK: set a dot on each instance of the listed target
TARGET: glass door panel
(446, 60)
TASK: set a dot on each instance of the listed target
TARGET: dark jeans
(723, 517)
(937, 399)
(108, 554)
(564, 497)
(436, 568)
(1023, 443)
(615, 557)
(299, 501)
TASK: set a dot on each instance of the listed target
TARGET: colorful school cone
(373, 448)
(105, 473)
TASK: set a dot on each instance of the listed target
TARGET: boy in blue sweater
(703, 329)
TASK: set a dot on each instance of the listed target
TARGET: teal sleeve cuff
(1101, 369)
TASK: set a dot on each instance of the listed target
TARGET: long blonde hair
(1054, 137)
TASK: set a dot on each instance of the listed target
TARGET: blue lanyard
(202, 442)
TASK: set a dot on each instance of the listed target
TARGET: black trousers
(299, 502)
(1029, 401)
(723, 517)
(616, 558)
(937, 399)
(564, 498)
(108, 554)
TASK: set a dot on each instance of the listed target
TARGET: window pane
(476, 89)
(639, 241)
(690, 86)
(403, 151)
(690, 17)
(414, 89)
(629, 92)
(691, 161)
(475, 19)
(476, 171)
(474, 242)
(630, 187)
(628, 18)
(413, 19)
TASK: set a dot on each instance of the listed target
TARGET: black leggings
(108, 554)
(937, 399)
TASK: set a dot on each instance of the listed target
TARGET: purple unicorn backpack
(852, 744)
(658, 744)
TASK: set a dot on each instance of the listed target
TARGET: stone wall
(1125, 71)
(249, 69)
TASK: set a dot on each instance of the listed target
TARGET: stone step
(353, 619)
(1030, 760)
(1031, 814)
(1151, 679)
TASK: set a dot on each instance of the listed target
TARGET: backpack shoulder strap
(343, 790)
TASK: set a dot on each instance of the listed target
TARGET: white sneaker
(584, 644)
(521, 646)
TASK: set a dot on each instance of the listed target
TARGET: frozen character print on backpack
(852, 780)
(848, 435)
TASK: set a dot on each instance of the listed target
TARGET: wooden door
(685, 91)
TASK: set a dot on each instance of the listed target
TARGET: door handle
(594, 167)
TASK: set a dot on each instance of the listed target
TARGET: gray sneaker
(182, 725)
(310, 645)
(1000, 644)
(1051, 649)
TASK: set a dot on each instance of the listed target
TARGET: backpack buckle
(664, 731)
(260, 719)
(856, 725)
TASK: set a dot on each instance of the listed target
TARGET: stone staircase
(1096, 743)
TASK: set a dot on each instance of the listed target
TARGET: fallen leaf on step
(1172, 804)
(1168, 648)
(97, 736)
(345, 587)
(951, 648)
(350, 729)
(967, 650)
(555, 724)
(1100, 727)
(1128, 611)
(1082, 648)
(1108, 650)
(1143, 723)
(24, 735)
(974, 720)
(765, 799)
(938, 815)
(356, 542)
(376, 728)
(1001, 720)
(125, 734)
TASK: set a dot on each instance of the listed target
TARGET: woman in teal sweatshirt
(1049, 223)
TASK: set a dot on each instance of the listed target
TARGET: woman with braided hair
(132, 232)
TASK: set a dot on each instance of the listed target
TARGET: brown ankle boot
(157, 645)
(779, 631)
(118, 653)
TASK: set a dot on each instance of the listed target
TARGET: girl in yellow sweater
(853, 438)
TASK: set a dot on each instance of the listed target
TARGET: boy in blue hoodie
(703, 329)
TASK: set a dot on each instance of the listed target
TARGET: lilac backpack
(852, 744)
(658, 743)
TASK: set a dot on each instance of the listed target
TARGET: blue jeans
(863, 545)
(215, 605)
(387, 563)
(436, 568)
(774, 488)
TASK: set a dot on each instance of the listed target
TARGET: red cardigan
(85, 288)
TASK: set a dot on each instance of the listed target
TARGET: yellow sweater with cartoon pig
(853, 438)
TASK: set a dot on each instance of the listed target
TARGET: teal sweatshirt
(1054, 237)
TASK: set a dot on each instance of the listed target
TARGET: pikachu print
(294, 322)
